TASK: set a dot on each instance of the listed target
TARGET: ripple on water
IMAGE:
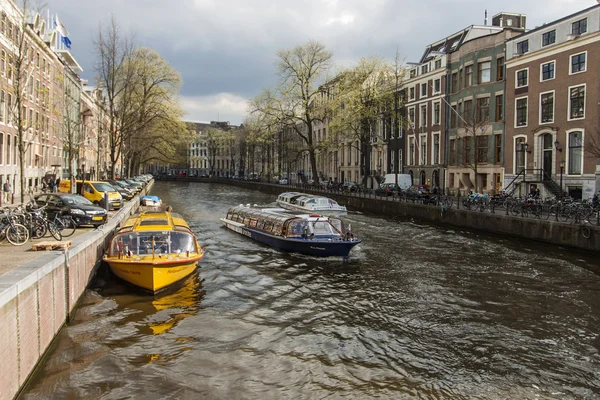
(417, 311)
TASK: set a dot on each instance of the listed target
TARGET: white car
(283, 181)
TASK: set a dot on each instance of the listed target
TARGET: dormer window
(549, 38)
(424, 68)
(413, 73)
(523, 47)
(579, 27)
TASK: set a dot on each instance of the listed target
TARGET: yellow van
(94, 192)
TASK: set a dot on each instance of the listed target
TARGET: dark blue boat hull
(318, 248)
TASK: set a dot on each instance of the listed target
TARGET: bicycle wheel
(53, 229)
(544, 212)
(38, 230)
(66, 226)
(17, 234)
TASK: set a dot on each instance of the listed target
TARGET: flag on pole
(60, 27)
(66, 42)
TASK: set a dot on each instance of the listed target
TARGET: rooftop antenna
(486, 20)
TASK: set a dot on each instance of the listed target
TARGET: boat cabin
(290, 226)
(154, 233)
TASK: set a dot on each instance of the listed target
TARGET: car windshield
(79, 200)
(104, 187)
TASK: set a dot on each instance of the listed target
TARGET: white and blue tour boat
(310, 203)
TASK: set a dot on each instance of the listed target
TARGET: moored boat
(152, 201)
(153, 250)
(310, 234)
(310, 203)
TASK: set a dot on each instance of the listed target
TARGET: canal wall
(554, 232)
(37, 298)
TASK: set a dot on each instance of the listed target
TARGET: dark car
(81, 209)
(387, 189)
(350, 187)
(126, 193)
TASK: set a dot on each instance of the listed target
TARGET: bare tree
(113, 50)
(20, 73)
(474, 123)
(293, 103)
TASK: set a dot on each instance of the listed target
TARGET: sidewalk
(12, 256)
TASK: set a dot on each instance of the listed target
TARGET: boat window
(252, 223)
(277, 228)
(229, 215)
(321, 228)
(143, 243)
(337, 223)
(260, 224)
(146, 222)
(296, 228)
(246, 219)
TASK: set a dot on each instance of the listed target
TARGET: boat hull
(311, 247)
(152, 275)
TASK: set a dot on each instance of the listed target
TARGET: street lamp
(562, 168)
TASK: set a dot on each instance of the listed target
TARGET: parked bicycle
(15, 233)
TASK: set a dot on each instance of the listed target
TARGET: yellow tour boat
(153, 250)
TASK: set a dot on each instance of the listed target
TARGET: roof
(555, 22)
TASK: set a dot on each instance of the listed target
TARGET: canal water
(418, 311)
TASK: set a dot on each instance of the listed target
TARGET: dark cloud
(226, 49)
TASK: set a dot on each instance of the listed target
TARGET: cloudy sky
(226, 49)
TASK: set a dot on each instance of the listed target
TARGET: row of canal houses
(495, 107)
(64, 117)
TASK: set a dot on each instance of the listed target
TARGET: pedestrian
(56, 183)
(51, 183)
(6, 188)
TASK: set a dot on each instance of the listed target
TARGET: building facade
(553, 92)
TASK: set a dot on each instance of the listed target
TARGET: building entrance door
(548, 154)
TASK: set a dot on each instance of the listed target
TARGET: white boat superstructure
(310, 203)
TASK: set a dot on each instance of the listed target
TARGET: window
(523, 47)
(468, 111)
(521, 112)
(467, 150)
(575, 153)
(7, 149)
(3, 63)
(522, 78)
(577, 102)
(453, 112)
(437, 86)
(579, 27)
(549, 38)
(411, 93)
(500, 68)
(423, 116)
(547, 71)
(438, 64)
(411, 115)
(452, 151)
(423, 90)
(519, 155)
(499, 107)
(498, 149)
(436, 149)
(578, 63)
(483, 109)
(413, 73)
(2, 107)
(423, 150)
(436, 113)
(454, 82)
(482, 149)
(547, 107)
(411, 149)
(1, 148)
(484, 69)
(468, 76)
(424, 68)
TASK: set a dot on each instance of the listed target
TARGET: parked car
(126, 192)
(350, 187)
(81, 209)
(387, 189)
(283, 181)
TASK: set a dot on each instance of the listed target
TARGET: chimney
(485, 21)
